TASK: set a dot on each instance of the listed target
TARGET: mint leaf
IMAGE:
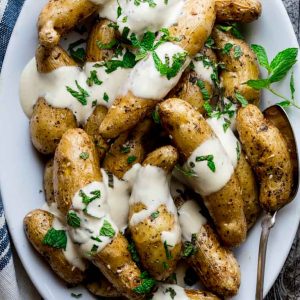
(93, 78)
(258, 84)
(55, 238)
(227, 48)
(80, 95)
(105, 97)
(204, 91)
(134, 254)
(131, 159)
(241, 99)
(292, 86)
(107, 46)
(237, 52)
(261, 55)
(171, 291)
(167, 251)
(210, 161)
(285, 103)
(147, 284)
(210, 43)
(73, 220)
(84, 155)
(190, 247)
(107, 229)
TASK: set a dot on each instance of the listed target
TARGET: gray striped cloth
(288, 283)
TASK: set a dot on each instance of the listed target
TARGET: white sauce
(146, 82)
(203, 72)
(91, 221)
(227, 139)
(52, 86)
(163, 294)
(118, 200)
(151, 188)
(141, 18)
(191, 220)
(206, 181)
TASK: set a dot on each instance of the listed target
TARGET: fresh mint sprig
(277, 69)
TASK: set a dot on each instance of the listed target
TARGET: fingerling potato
(48, 182)
(153, 221)
(268, 155)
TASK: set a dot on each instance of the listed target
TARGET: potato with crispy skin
(154, 223)
(244, 11)
(36, 224)
(47, 123)
(48, 182)
(72, 172)
(127, 150)
(192, 29)
(268, 155)
(189, 130)
(216, 265)
(59, 16)
(240, 66)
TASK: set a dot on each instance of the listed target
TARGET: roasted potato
(240, 66)
(72, 172)
(188, 88)
(215, 265)
(47, 123)
(192, 29)
(103, 288)
(48, 182)
(268, 155)
(36, 224)
(189, 130)
(127, 150)
(150, 234)
(59, 16)
(165, 291)
(243, 11)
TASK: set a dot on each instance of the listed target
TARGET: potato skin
(59, 16)
(189, 129)
(48, 182)
(36, 224)
(268, 155)
(238, 70)
(244, 11)
(194, 25)
(128, 144)
(147, 233)
(200, 295)
(48, 124)
(71, 173)
(91, 127)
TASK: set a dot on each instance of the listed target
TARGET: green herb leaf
(171, 291)
(105, 97)
(226, 125)
(106, 46)
(233, 28)
(55, 238)
(80, 95)
(119, 10)
(93, 78)
(131, 159)
(127, 62)
(237, 52)
(210, 42)
(238, 150)
(146, 286)
(204, 91)
(79, 53)
(165, 265)
(86, 199)
(188, 172)
(261, 55)
(154, 215)
(292, 86)
(95, 238)
(208, 108)
(113, 25)
(284, 103)
(133, 252)
(227, 48)
(258, 84)
(241, 99)
(76, 295)
(107, 229)
(73, 220)
(210, 161)
(84, 155)
(155, 117)
(151, 3)
(94, 248)
(165, 69)
(167, 251)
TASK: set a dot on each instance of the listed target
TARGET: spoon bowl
(277, 116)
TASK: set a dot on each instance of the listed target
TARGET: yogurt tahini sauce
(165, 291)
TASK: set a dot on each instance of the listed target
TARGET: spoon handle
(267, 223)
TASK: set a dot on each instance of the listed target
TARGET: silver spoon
(278, 117)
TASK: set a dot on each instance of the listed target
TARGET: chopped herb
(124, 20)
(233, 28)
(106, 46)
(113, 25)
(238, 150)
(94, 103)
(84, 155)
(133, 252)
(178, 59)
(227, 48)
(155, 117)
(76, 295)
(171, 291)
(127, 62)
(80, 95)
(208, 108)
(166, 2)
(55, 238)
(94, 248)
(107, 229)
(237, 52)
(151, 3)
(241, 99)
(226, 124)
(125, 148)
(73, 220)
(186, 171)
(131, 159)
(210, 42)
(79, 53)
(168, 254)
(189, 247)
(95, 238)
(154, 215)
(93, 78)
(147, 284)
(209, 159)
(204, 91)
(165, 265)
(105, 97)
(86, 199)
(119, 10)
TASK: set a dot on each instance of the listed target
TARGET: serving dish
(21, 166)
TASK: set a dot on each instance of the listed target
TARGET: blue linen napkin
(9, 12)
